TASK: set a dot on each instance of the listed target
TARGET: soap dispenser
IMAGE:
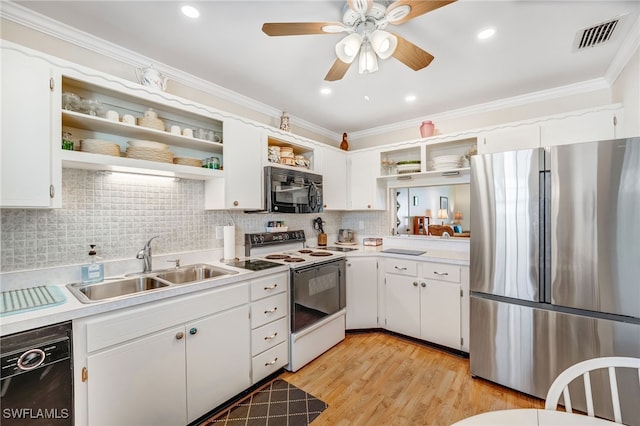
(92, 272)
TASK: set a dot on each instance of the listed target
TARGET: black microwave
(292, 191)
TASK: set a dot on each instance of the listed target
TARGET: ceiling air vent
(595, 35)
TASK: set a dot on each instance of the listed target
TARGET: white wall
(626, 89)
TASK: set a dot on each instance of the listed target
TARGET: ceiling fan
(365, 22)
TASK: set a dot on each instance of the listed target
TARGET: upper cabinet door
(365, 192)
(245, 146)
(588, 127)
(29, 91)
(333, 167)
(509, 139)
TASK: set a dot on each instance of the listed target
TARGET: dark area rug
(278, 403)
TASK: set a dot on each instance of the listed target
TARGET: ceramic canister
(426, 129)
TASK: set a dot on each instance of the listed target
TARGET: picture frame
(444, 203)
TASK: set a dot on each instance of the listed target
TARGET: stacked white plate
(187, 161)
(447, 162)
(150, 154)
(139, 143)
(97, 146)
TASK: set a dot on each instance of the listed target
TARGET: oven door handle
(312, 196)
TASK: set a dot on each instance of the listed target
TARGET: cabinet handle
(193, 331)
(442, 274)
(52, 191)
(271, 287)
(368, 206)
(270, 311)
(52, 84)
(179, 335)
(273, 336)
(236, 204)
(400, 269)
(415, 283)
(423, 285)
(85, 374)
(266, 364)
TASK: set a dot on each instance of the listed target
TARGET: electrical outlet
(361, 224)
(219, 232)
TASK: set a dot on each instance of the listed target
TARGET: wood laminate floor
(380, 379)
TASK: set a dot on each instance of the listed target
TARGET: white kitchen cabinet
(30, 172)
(333, 168)
(163, 363)
(583, 127)
(216, 354)
(509, 139)
(362, 292)
(365, 193)
(440, 312)
(402, 299)
(269, 325)
(243, 185)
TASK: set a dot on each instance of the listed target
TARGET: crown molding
(628, 48)
(38, 22)
(542, 95)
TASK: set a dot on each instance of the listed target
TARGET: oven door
(291, 191)
(317, 291)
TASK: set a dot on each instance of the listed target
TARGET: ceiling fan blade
(418, 7)
(337, 71)
(411, 55)
(360, 6)
(301, 28)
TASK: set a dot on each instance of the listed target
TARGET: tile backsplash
(119, 213)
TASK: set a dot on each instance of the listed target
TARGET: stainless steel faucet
(145, 255)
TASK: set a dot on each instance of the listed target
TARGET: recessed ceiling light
(367, 98)
(190, 11)
(325, 91)
(410, 98)
(486, 33)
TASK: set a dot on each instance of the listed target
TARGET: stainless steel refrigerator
(555, 265)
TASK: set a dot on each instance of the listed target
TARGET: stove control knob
(286, 236)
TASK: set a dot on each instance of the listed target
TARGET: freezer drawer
(525, 348)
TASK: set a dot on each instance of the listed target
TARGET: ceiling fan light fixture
(367, 63)
(347, 48)
(333, 28)
(383, 43)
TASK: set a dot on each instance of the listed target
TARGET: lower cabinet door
(362, 293)
(218, 361)
(440, 313)
(402, 296)
(139, 383)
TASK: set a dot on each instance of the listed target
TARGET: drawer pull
(270, 311)
(271, 287)
(266, 364)
(85, 374)
(400, 269)
(442, 274)
(273, 336)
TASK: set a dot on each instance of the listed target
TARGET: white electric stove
(317, 291)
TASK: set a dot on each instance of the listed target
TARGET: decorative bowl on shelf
(408, 166)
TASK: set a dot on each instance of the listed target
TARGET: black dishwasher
(36, 386)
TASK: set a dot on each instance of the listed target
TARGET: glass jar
(67, 141)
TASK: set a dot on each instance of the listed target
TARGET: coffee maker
(346, 236)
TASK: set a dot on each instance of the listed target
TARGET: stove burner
(305, 251)
(294, 259)
(277, 256)
(320, 253)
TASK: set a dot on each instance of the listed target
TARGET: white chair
(561, 384)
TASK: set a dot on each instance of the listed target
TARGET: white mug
(112, 115)
(187, 132)
(129, 119)
(217, 137)
(175, 130)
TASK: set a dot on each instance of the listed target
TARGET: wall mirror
(420, 206)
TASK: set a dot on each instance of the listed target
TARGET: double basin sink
(118, 288)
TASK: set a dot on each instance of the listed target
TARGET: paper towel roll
(229, 242)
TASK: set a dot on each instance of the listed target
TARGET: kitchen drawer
(268, 286)
(401, 267)
(441, 272)
(269, 309)
(269, 335)
(270, 361)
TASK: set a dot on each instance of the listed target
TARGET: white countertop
(73, 308)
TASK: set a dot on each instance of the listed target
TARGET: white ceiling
(531, 51)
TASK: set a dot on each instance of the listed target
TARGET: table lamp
(442, 214)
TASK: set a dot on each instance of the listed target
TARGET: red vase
(426, 129)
